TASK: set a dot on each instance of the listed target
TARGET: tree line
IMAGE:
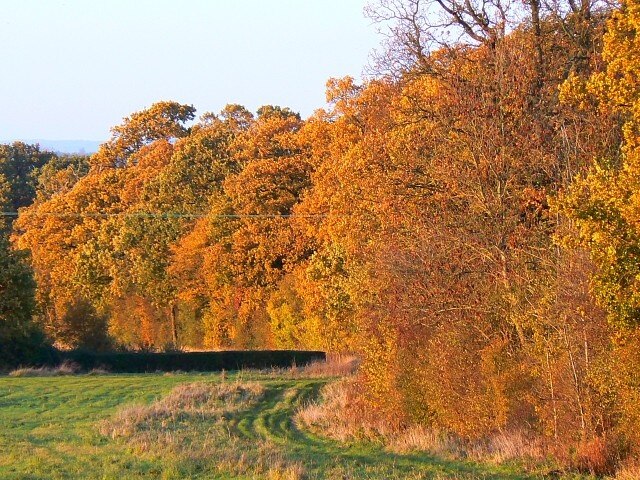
(466, 220)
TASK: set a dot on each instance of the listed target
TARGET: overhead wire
(164, 215)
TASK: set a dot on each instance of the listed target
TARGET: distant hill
(62, 146)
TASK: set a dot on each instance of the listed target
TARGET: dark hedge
(139, 362)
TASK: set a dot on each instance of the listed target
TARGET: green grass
(50, 429)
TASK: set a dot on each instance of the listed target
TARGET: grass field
(89, 427)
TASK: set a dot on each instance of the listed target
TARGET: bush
(140, 362)
(30, 348)
(82, 327)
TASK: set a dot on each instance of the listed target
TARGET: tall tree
(604, 204)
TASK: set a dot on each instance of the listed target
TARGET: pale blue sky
(71, 69)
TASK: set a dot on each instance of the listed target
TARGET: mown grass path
(48, 430)
(272, 420)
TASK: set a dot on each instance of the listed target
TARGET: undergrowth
(339, 413)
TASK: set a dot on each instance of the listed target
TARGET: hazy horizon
(68, 146)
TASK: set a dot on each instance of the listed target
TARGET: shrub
(25, 348)
(140, 362)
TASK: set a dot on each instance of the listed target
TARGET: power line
(164, 215)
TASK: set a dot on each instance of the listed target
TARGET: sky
(71, 69)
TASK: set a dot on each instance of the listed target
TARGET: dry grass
(98, 371)
(500, 448)
(597, 456)
(289, 472)
(141, 423)
(332, 413)
(629, 472)
(336, 365)
(507, 446)
(339, 415)
(261, 460)
(199, 422)
(65, 368)
(422, 439)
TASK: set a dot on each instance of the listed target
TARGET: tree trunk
(174, 324)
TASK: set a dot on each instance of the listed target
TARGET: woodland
(466, 220)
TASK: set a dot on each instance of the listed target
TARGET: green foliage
(21, 342)
(83, 327)
(60, 174)
(20, 165)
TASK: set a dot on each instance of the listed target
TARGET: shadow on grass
(272, 420)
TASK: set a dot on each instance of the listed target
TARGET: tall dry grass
(140, 423)
(199, 422)
(339, 414)
(335, 365)
(65, 368)
(629, 472)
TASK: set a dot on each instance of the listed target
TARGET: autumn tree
(246, 245)
(60, 174)
(177, 196)
(76, 236)
(603, 208)
(162, 120)
(436, 190)
(603, 204)
(442, 220)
